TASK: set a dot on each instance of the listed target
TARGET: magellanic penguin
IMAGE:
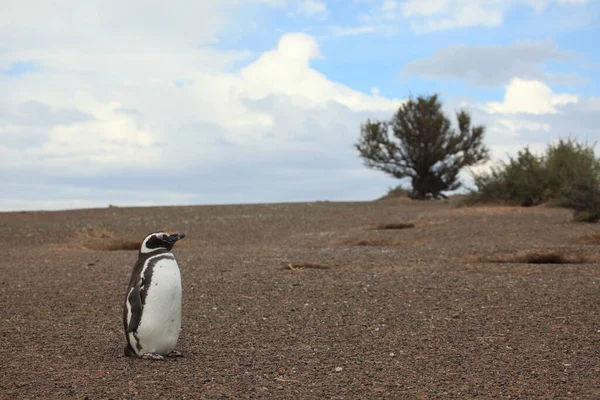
(152, 310)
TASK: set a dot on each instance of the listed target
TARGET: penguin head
(159, 241)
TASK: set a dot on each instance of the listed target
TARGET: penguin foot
(129, 352)
(153, 356)
(175, 354)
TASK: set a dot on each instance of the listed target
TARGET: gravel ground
(309, 301)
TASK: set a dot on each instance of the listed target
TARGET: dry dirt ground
(309, 301)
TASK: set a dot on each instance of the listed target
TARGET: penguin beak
(174, 237)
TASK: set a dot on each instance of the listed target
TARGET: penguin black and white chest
(152, 309)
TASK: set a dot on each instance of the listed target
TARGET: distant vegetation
(566, 175)
(396, 192)
(419, 143)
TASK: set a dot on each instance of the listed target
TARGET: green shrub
(521, 180)
(570, 164)
(585, 201)
(525, 179)
(490, 187)
(568, 175)
(397, 191)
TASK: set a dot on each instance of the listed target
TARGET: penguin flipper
(135, 305)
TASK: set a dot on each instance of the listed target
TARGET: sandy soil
(308, 301)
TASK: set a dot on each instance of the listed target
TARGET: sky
(248, 101)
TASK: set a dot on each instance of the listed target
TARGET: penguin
(152, 309)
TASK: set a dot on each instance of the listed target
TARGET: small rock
(339, 369)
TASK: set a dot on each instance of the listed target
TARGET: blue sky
(237, 101)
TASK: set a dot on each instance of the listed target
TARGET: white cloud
(109, 141)
(158, 104)
(491, 65)
(115, 24)
(424, 7)
(286, 71)
(389, 5)
(530, 97)
(513, 128)
(352, 30)
(436, 15)
(143, 135)
(311, 8)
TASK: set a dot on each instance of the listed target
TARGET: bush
(585, 201)
(490, 187)
(521, 180)
(568, 174)
(525, 179)
(397, 191)
(571, 164)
